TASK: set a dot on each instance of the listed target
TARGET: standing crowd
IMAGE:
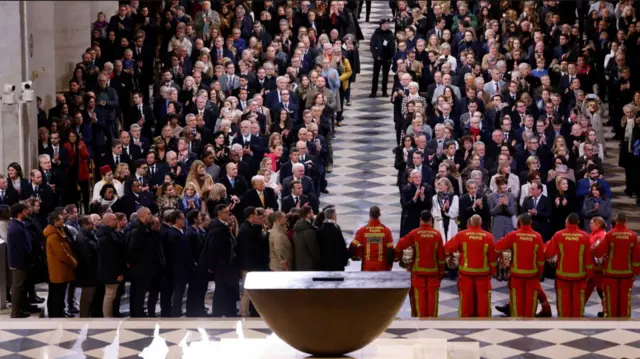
(195, 139)
(187, 124)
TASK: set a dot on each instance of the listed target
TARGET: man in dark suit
(115, 157)
(252, 145)
(141, 114)
(146, 258)
(200, 108)
(134, 152)
(332, 244)
(180, 258)
(156, 171)
(472, 203)
(296, 198)
(179, 169)
(138, 140)
(236, 187)
(37, 188)
(260, 196)
(286, 169)
(286, 103)
(219, 51)
(134, 199)
(54, 177)
(220, 260)
(20, 256)
(298, 175)
(539, 208)
(8, 195)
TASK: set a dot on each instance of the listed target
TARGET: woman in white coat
(445, 209)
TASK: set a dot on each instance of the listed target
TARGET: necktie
(295, 201)
(36, 189)
(138, 51)
(497, 88)
(152, 170)
(125, 150)
(2, 196)
(219, 54)
(141, 180)
(140, 109)
(117, 160)
(233, 182)
(473, 199)
(261, 195)
(535, 202)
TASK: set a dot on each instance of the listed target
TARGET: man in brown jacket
(61, 264)
(280, 248)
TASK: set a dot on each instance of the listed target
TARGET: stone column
(41, 47)
(72, 37)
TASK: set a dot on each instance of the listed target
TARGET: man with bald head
(477, 265)
(112, 262)
(236, 186)
(147, 261)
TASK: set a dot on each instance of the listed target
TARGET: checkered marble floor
(496, 339)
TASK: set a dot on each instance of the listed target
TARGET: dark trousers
(195, 295)
(140, 285)
(179, 288)
(368, 5)
(18, 290)
(385, 65)
(96, 303)
(225, 298)
(71, 296)
(55, 299)
(341, 92)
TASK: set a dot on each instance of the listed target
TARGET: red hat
(104, 170)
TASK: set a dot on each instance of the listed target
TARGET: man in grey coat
(305, 243)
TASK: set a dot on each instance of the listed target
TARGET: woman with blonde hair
(189, 92)
(198, 175)
(191, 200)
(592, 139)
(445, 209)
(122, 172)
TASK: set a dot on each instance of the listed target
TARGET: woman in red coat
(77, 170)
(597, 234)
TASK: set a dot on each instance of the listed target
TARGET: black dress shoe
(504, 309)
(325, 191)
(385, 94)
(31, 309)
(600, 314)
(74, 310)
(372, 95)
(21, 315)
(36, 300)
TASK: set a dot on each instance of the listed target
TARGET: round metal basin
(328, 313)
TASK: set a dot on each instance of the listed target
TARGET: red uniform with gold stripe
(372, 243)
(426, 270)
(477, 265)
(574, 267)
(527, 264)
(619, 269)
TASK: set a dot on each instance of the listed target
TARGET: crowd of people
(195, 138)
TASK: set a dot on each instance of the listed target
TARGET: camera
(27, 91)
(8, 95)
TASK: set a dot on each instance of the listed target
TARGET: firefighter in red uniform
(620, 267)
(477, 265)
(574, 266)
(373, 244)
(527, 264)
(427, 267)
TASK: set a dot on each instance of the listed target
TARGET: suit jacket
(108, 160)
(225, 53)
(288, 202)
(11, 196)
(539, 221)
(134, 152)
(251, 198)
(466, 211)
(227, 87)
(239, 188)
(307, 186)
(45, 194)
(129, 203)
(134, 115)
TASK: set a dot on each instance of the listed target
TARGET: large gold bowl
(328, 313)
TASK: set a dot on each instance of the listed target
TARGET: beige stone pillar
(72, 37)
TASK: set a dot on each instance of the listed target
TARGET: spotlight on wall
(9, 95)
